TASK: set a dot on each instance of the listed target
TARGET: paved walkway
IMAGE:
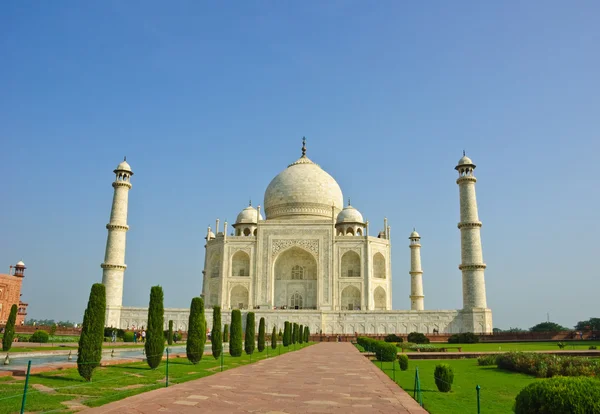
(323, 378)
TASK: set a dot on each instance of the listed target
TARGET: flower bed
(546, 366)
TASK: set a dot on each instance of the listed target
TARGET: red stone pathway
(323, 378)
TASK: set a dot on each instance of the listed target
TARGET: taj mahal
(310, 258)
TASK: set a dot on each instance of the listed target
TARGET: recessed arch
(247, 231)
(380, 298)
(239, 297)
(379, 266)
(350, 264)
(350, 298)
(295, 271)
(240, 264)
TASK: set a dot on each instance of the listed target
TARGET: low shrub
(385, 351)
(417, 338)
(593, 347)
(405, 345)
(128, 336)
(486, 360)
(424, 348)
(444, 377)
(367, 343)
(403, 362)
(560, 395)
(40, 337)
(393, 338)
(547, 366)
(463, 338)
(561, 345)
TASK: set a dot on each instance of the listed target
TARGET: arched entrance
(380, 298)
(350, 298)
(239, 297)
(295, 274)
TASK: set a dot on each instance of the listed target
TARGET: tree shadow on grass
(58, 378)
(133, 367)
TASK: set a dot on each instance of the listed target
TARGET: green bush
(424, 348)
(301, 334)
(274, 338)
(463, 338)
(170, 333)
(9, 329)
(546, 366)
(561, 345)
(486, 360)
(392, 338)
(403, 362)
(155, 336)
(41, 337)
(216, 341)
(226, 333)
(249, 340)
(286, 334)
(385, 351)
(128, 336)
(417, 338)
(89, 351)
(593, 347)
(261, 335)
(444, 377)
(306, 334)
(196, 338)
(235, 339)
(294, 333)
(578, 395)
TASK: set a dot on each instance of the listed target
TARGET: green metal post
(394, 369)
(25, 389)
(478, 404)
(167, 381)
(415, 387)
(221, 358)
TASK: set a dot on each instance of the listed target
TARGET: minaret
(472, 265)
(416, 273)
(114, 258)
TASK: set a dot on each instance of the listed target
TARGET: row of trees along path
(92, 333)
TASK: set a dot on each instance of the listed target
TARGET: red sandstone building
(10, 293)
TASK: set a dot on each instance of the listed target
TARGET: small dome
(414, 235)
(20, 264)
(211, 235)
(248, 215)
(349, 215)
(465, 160)
(124, 166)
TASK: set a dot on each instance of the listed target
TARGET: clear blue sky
(209, 102)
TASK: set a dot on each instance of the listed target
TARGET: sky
(210, 101)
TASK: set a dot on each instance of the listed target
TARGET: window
(350, 272)
(296, 301)
(297, 273)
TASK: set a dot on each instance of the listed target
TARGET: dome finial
(250, 203)
(303, 146)
(348, 201)
(464, 153)
(125, 158)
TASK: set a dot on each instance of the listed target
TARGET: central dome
(302, 190)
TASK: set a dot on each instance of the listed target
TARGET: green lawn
(38, 348)
(521, 346)
(498, 388)
(114, 382)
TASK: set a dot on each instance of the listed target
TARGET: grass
(115, 382)
(40, 348)
(498, 387)
(512, 346)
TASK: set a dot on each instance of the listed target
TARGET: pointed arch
(240, 264)
(380, 298)
(350, 298)
(295, 271)
(239, 297)
(379, 270)
(350, 264)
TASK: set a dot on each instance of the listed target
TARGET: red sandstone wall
(10, 295)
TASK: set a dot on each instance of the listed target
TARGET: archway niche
(380, 298)
(239, 297)
(378, 266)
(350, 264)
(240, 264)
(350, 298)
(295, 273)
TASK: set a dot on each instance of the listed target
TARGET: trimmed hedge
(306, 334)
(235, 340)
(249, 343)
(226, 333)
(301, 334)
(261, 335)
(486, 360)
(155, 336)
(274, 338)
(89, 351)
(384, 351)
(196, 338)
(547, 366)
(41, 337)
(216, 341)
(170, 333)
(9, 330)
(128, 336)
(286, 333)
(403, 362)
(444, 377)
(417, 338)
(463, 338)
(578, 395)
(392, 338)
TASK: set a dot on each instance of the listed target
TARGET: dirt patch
(74, 405)
(44, 389)
(130, 387)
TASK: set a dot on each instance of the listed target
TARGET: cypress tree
(249, 342)
(286, 333)
(155, 336)
(170, 333)
(226, 333)
(301, 334)
(261, 335)
(274, 338)
(235, 339)
(215, 336)
(92, 332)
(9, 329)
(294, 333)
(196, 331)
(306, 334)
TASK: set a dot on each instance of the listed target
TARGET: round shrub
(486, 360)
(128, 336)
(385, 351)
(40, 337)
(560, 395)
(392, 338)
(444, 377)
(403, 362)
(417, 338)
